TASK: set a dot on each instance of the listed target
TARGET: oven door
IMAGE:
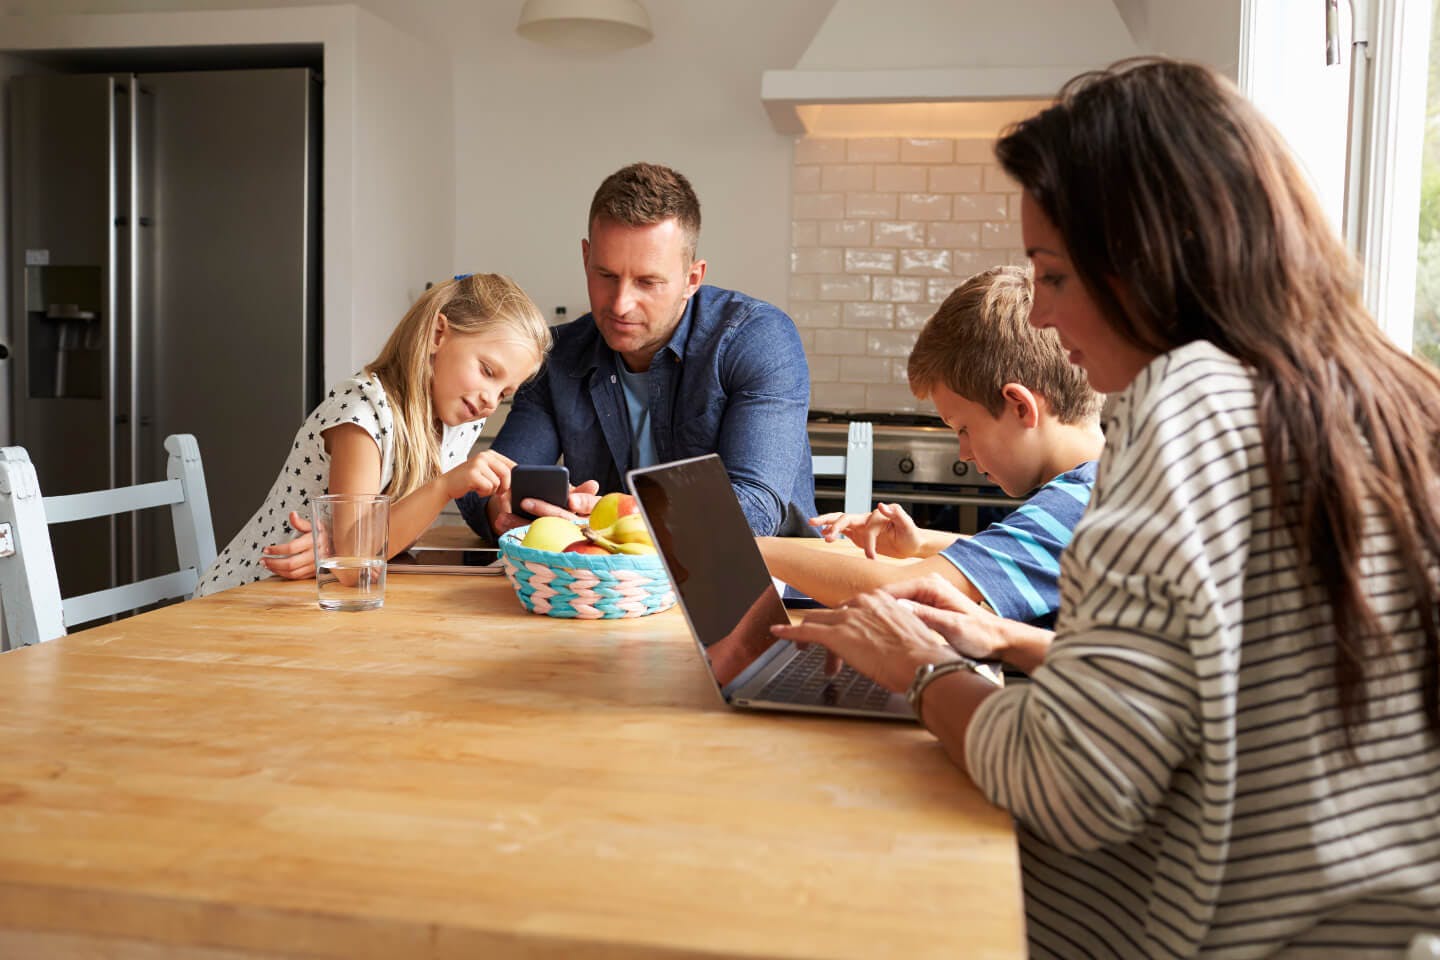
(949, 507)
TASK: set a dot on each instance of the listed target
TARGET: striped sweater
(1177, 767)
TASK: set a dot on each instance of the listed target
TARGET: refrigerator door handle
(134, 319)
(112, 301)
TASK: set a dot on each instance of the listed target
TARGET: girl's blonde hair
(476, 303)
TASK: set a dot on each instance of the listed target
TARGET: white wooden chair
(29, 587)
(857, 466)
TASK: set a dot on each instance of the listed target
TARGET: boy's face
(996, 445)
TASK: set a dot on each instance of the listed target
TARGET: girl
(1230, 745)
(402, 426)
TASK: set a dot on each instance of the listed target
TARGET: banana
(629, 529)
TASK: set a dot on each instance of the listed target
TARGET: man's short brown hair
(647, 193)
(981, 339)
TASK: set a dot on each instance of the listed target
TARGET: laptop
(730, 601)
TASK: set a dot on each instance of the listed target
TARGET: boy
(1024, 416)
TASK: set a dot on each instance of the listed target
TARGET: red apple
(585, 546)
(610, 508)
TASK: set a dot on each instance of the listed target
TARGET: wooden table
(246, 775)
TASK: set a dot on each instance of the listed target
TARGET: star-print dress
(359, 400)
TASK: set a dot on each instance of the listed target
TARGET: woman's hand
(887, 529)
(969, 627)
(878, 634)
(294, 560)
(486, 473)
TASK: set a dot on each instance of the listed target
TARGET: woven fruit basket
(585, 586)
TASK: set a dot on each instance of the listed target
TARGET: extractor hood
(944, 60)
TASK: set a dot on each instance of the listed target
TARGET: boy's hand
(487, 473)
(294, 560)
(887, 530)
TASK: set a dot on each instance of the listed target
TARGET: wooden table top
(246, 775)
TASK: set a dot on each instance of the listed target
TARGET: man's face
(639, 279)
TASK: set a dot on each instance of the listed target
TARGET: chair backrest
(29, 586)
(857, 466)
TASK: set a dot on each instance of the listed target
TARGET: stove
(916, 465)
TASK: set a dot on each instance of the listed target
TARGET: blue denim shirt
(732, 380)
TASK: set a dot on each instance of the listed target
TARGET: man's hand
(580, 501)
(294, 560)
(887, 529)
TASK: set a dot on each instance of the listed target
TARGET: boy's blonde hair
(981, 339)
(478, 303)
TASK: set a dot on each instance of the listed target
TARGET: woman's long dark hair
(1167, 184)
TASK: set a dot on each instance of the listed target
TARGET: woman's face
(1062, 302)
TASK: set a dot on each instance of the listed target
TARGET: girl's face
(474, 371)
(1062, 302)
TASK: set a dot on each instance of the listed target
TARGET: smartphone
(530, 481)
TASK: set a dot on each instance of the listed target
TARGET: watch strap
(928, 673)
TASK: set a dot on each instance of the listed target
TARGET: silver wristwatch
(928, 673)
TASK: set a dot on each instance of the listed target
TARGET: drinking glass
(352, 539)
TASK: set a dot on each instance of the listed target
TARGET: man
(663, 368)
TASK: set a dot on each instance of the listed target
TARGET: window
(1426, 332)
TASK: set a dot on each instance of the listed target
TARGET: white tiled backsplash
(884, 228)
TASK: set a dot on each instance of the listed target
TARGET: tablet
(472, 561)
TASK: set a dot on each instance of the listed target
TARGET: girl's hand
(487, 473)
(876, 633)
(294, 560)
(887, 529)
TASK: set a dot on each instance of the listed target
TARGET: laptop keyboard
(803, 680)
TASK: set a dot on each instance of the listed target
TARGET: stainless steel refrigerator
(164, 247)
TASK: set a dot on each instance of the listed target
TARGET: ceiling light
(585, 24)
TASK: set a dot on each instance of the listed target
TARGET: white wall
(403, 204)
(537, 129)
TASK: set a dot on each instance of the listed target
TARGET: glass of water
(352, 540)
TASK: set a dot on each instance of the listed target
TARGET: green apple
(551, 533)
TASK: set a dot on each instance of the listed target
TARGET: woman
(1231, 746)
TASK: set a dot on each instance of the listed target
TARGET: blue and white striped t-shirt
(1015, 563)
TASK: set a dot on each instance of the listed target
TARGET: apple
(551, 533)
(585, 546)
(611, 508)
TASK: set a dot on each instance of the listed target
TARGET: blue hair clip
(462, 276)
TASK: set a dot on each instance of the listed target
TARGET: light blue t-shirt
(637, 405)
(1015, 563)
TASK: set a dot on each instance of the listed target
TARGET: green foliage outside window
(1427, 274)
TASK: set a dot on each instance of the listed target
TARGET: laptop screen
(719, 576)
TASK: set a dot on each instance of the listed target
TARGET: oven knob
(907, 465)
(959, 468)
